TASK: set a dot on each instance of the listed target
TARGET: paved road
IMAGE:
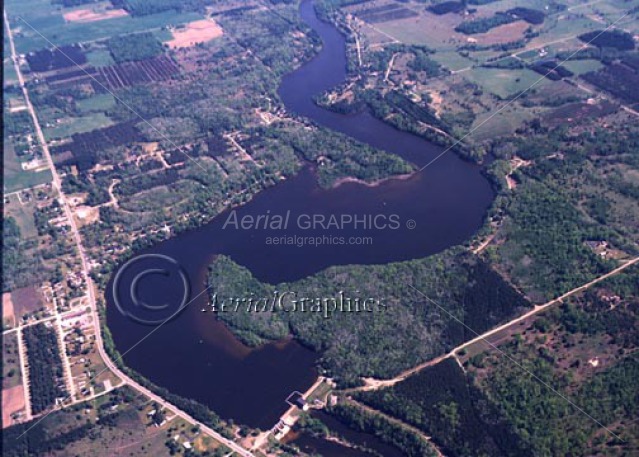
(85, 269)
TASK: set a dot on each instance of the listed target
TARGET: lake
(195, 355)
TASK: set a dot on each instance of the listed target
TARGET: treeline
(54, 59)
(460, 420)
(551, 69)
(617, 39)
(27, 440)
(135, 46)
(409, 442)
(483, 25)
(447, 7)
(146, 7)
(45, 367)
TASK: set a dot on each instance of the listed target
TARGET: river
(195, 355)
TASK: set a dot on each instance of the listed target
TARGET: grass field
(23, 214)
(48, 21)
(97, 103)
(501, 123)
(580, 67)
(100, 58)
(452, 60)
(9, 76)
(68, 126)
(504, 83)
(15, 178)
(11, 375)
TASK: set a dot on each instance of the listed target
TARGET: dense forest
(139, 46)
(440, 401)
(410, 443)
(45, 367)
(380, 344)
(617, 39)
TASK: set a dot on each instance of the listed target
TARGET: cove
(196, 356)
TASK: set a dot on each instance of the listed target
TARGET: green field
(23, 214)
(9, 75)
(15, 178)
(69, 126)
(47, 20)
(97, 103)
(505, 83)
(580, 67)
(100, 58)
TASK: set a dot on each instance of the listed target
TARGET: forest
(441, 402)
(549, 424)
(45, 367)
(139, 46)
(410, 443)
(411, 330)
(483, 25)
(55, 59)
(617, 39)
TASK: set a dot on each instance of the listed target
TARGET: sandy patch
(8, 315)
(89, 15)
(195, 32)
(436, 102)
(12, 402)
(87, 214)
(503, 34)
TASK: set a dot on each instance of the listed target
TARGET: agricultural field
(44, 22)
(515, 51)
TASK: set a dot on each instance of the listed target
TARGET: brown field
(26, 300)
(87, 215)
(8, 316)
(12, 402)
(195, 32)
(89, 15)
(503, 34)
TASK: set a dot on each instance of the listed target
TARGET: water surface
(196, 356)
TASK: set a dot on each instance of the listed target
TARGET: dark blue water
(196, 356)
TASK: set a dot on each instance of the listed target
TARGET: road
(57, 184)
(374, 384)
(24, 371)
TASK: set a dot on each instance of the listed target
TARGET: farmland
(513, 51)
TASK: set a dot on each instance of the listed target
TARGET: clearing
(195, 32)
(90, 15)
